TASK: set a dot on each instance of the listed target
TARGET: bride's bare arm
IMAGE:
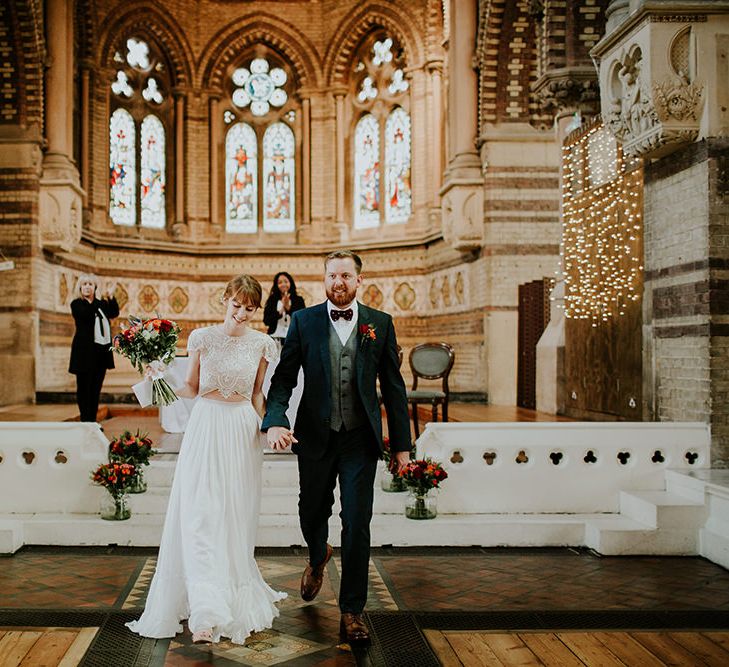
(192, 381)
(257, 399)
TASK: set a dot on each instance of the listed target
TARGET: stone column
(214, 183)
(341, 166)
(306, 161)
(60, 199)
(462, 191)
(179, 163)
(435, 69)
(85, 128)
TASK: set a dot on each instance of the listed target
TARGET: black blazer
(271, 315)
(307, 346)
(84, 314)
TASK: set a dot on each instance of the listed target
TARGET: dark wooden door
(533, 320)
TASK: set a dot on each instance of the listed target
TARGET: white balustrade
(557, 467)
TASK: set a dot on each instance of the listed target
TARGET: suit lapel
(321, 332)
(364, 317)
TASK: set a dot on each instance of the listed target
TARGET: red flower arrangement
(150, 346)
(423, 475)
(133, 448)
(115, 477)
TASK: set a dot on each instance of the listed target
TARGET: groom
(343, 347)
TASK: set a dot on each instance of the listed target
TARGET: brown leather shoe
(313, 577)
(353, 629)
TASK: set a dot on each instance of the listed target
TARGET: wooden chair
(430, 361)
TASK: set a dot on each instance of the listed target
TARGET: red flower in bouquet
(150, 345)
(133, 448)
(115, 477)
(423, 475)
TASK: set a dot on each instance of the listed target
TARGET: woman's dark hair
(275, 294)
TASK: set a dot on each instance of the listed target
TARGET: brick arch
(500, 22)
(157, 26)
(266, 29)
(22, 59)
(351, 32)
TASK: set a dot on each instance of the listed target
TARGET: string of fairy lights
(601, 250)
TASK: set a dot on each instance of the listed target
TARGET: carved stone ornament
(569, 90)
(462, 217)
(650, 98)
(59, 205)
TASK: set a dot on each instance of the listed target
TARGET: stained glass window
(122, 169)
(259, 86)
(152, 185)
(278, 178)
(138, 138)
(398, 202)
(366, 173)
(241, 186)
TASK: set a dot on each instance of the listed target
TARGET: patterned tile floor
(115, 580)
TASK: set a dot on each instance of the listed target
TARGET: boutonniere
(367, 332)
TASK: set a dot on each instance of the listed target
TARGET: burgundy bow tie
(344, 314)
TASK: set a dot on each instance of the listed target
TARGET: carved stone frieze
(570, 89)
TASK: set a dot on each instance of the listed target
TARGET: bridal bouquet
(423, 475)
(150, 346)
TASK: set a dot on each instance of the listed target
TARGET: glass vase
(391, 483)
(115, 507)
(421, 505)
(140, 484)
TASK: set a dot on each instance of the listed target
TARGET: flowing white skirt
(206, 572)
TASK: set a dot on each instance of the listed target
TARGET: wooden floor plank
(589, 649)
(78, 648)
(719, 638)
(550, 649)
(510, 649)
(667, 650)
(14, 646)
(439, 643)
(471, 650)
(712, 654)
(627, 649)
(49, 649)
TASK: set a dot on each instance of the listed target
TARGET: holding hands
(280, 438)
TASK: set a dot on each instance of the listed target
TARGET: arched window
(260, 148)
(140, 122)
(381, 145)
(241, 183)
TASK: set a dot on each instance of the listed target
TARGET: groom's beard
(343, 297)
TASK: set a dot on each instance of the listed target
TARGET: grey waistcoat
(347, 407)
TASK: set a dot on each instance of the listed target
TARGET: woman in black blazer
(91, 353)
(281, 303)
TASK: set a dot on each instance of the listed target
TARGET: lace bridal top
(230, 363)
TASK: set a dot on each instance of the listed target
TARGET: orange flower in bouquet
(150, 345)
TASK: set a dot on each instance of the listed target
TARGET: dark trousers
(88, 390)
(352, 457)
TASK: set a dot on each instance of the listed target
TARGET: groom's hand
(280, 438)
(401, 460)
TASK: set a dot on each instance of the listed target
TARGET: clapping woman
(281, 303)
(91, 353)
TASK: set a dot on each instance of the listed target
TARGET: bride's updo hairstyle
(244, 289)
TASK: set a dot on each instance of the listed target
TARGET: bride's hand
(280, 438)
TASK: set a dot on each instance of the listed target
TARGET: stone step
(11, 536)
(659, 509)
(617, 535)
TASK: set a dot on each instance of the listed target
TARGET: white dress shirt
(341, 326)
(102, 329)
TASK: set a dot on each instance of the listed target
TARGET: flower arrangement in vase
(421, 477)
(390, 481)
(116, 478)
(135, 449)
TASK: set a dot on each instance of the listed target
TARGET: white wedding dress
(206, 572)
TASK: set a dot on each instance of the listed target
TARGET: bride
(206, 572)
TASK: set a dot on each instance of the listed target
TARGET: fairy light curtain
(382, 137)
(138, 125)
(602, 248)
(260, 149)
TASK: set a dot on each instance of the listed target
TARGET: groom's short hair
(344, 254)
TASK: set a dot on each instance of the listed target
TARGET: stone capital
(462, 212)
(569, 89)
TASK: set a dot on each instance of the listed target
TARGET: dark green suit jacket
(307, 347)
